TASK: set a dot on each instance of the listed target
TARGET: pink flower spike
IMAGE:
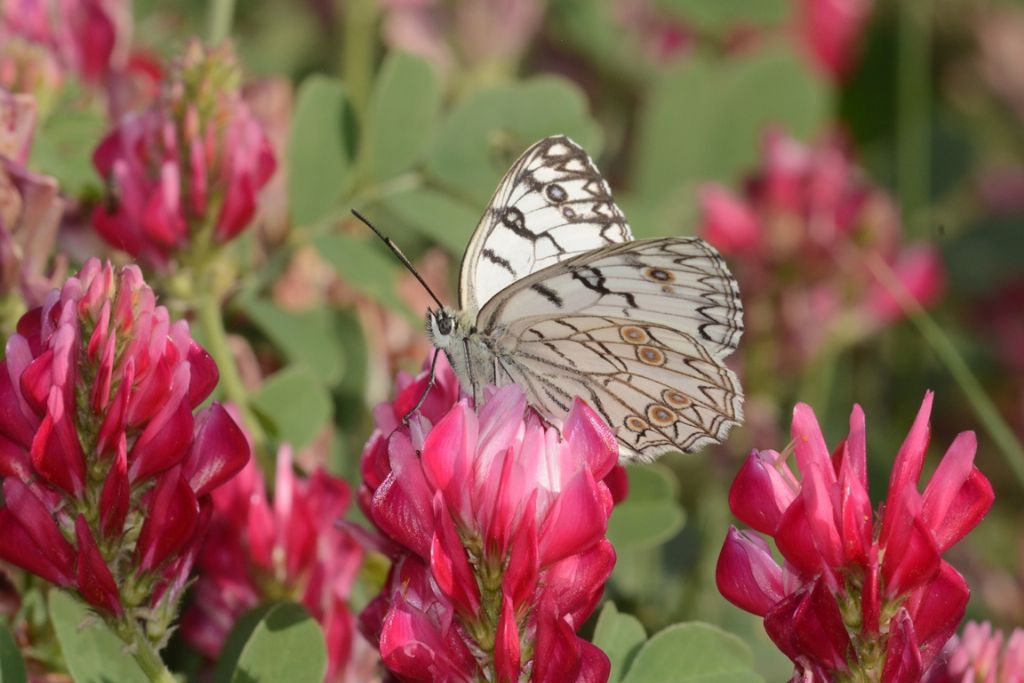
(172, 518)
(728, 222)
(909, 459)
(37, 521)
(937, 608)
(958, 496)
(114, 501)
(448, 563)
(902, 658)
(506, 647)
(762, 490)
(219, 451)
(819, 484)
(747, 574)
(588, 434)
(18, 548)
(95, 582)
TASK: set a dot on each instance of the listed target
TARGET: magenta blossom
(107, 472)
(981, 654)
(496, 525)
(185, 173)
(291, 547)
(89, 37)
(809, 205)
(853, 600)
(831, 31)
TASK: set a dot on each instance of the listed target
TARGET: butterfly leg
(426, 390)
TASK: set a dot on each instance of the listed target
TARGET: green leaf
(651, 514)
(287, 644)
(12, 666)
(685, 139)
(243, 629)
(487, 131)
(691, 653)
(309, 338)
(295, 402)
(620, 637)
(318, 155)
(445, 220)
(366, 268)
(402, 115)
(722, 15)
(91, 651)
(63, 144)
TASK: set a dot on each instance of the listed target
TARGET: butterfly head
(441, 326)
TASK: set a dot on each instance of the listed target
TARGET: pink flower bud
(196, 157)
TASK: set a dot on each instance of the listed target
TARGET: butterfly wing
(681, 283)
(658, 387)
(637, 329)
(551, 205)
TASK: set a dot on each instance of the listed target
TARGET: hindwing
(658, 387)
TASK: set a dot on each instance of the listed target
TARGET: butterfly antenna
(405, 262)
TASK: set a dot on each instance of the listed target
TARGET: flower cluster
(981, 654)
(185, 173)
(496, 526)
(30, 211)
(853, 601)
(806, 239)
(293, 548)
(86, 36)
(107, 473)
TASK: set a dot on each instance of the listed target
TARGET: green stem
(208, 312)
(218, 21)
(143, 652)
(984, 408)
(359, 53)
(913, 113)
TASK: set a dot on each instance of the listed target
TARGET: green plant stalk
(984, 408)
(142, 651)
(359, 53)
(913, 159)
(218, 20)
(208, 312)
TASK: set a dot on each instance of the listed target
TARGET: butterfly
(557, 297)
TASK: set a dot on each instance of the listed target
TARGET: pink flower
(106, 473)
(982, 653)
(86, 36)
(496, 523)
(477, 32)
(185, 173)
(808, 235)
(853, 597)
(259, 550)
(831, 30)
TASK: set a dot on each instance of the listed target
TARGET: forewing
(677, 283)
(657, 386)
(552, 204)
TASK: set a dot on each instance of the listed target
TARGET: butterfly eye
(444, 324)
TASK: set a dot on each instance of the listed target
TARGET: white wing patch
(551, 205)
(680, 283)
(658, 387)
